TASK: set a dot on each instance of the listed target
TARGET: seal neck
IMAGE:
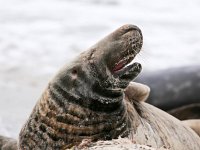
(58, 124)
(92, 102)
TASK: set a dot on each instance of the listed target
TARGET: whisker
(143, 56)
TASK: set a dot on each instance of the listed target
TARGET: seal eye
(74, 72)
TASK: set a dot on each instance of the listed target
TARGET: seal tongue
(122, 63)
(128, 73)
(123, 70)
(119, 66)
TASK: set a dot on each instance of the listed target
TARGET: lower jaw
(128, 68)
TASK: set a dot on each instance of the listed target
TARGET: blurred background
(37, 37)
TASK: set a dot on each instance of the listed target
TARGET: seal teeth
(123, 62)
(126, 59)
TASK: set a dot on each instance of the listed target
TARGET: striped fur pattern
(55, 124)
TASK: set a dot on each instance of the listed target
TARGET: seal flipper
(137, 91)
(7, 143)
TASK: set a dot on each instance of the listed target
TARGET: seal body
(88, 99)
(161, 130)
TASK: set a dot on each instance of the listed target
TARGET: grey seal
(87, 100)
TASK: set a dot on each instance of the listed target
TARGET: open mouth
(130, 48)
(114, 56)
(123, 45)
(126, 67)
(122, 63)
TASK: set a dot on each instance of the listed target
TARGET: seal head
(100, 75)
